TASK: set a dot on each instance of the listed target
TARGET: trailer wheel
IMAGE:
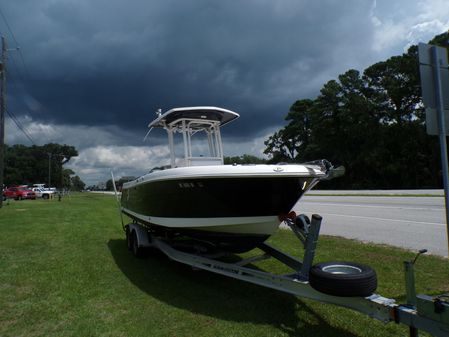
(129, 239)
(346, 279)
(137, 251)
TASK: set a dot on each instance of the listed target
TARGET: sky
(92, 73)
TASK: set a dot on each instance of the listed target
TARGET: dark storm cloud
(115, 62)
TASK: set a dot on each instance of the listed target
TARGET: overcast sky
(91, 73)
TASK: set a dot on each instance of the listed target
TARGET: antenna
(158, 114)
(145, 138)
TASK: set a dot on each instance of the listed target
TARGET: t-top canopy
(206, 113)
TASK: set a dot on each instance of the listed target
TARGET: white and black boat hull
(232, 211)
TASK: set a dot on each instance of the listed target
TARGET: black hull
(215, 197)
(208, 199)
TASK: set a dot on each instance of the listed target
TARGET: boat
(199, 199)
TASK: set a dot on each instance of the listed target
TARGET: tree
(289, 142)
(396, 92)
(60, 155)
(109, 185)
(118, 183)
(77, 184)
(372, 123)
(395, 88)
(34, 164)
(244, 159)
(66, 178)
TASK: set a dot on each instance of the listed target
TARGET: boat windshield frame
(191, 120)
(189, 127)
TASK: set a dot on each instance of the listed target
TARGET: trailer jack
(422, 312)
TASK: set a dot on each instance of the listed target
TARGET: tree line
(373, 123)
(27, 165)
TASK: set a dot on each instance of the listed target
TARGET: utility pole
(2, 114)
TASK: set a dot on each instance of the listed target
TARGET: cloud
(92, 64)
(102, 150)
(398, 25)
(97, 70)
(94, 164)
(80, 136)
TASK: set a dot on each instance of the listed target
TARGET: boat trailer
(421, 312)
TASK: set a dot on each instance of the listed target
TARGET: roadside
(432, 193)
(426, 192)
(105, 192)
(411, 222)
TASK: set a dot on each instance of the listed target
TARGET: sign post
(2, 113)
(435, 91)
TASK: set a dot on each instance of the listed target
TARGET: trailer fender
(141, 233)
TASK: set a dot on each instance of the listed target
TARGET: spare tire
(345, 279)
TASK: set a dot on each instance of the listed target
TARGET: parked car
(43, 192)
(19, 193)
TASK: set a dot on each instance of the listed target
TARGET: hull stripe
(261, 225)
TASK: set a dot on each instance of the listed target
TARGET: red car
(19, 193)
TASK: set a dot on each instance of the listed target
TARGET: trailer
(344, 284)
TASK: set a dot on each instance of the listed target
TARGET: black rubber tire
(136, 250)
(345, 279)
(45, 196)
(129, 239)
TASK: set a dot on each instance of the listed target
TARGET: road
(409, 222)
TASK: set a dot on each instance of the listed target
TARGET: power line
(16, 82)
(16, 49)
(27, 74)
(7, 25)
(21, 79)
(26, 106)
(14, 118)
(15, 40)
(12, 78)
(20, 126)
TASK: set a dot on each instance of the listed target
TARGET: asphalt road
(409, 222)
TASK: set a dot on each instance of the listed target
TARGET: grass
(65, 271)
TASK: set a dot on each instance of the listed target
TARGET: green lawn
(65, 271)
